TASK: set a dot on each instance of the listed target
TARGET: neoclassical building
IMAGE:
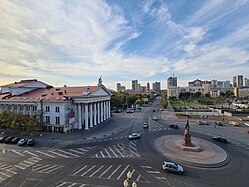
(59, 108)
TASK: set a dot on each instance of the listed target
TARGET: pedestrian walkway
(6, 171)
(157, 174)
(51, 153)
(27, 163)
(155, 126)
(74, 184)
(114, 172)
(47, 168)
(118, 151)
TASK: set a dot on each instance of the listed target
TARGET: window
(57, 109)
(47, 108)
(34, 108)
(57, 119)
(47, 119)
(21, 107)
(28, 108)
(15, 107)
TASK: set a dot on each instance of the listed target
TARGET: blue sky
(74, 42)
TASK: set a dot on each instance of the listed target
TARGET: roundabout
(205, 154)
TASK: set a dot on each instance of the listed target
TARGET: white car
(247, 123)
(155, 118)
(172, 167)
(134, 135)
(233, 123)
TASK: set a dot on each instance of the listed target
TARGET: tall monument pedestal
(187, 140)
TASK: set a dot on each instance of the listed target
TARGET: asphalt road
(105, 155)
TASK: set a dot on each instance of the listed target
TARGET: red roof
(56, 94)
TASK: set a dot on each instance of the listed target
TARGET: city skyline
(123, 41)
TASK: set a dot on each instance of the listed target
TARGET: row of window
(57, 109)
(22, 107)
(57, 120)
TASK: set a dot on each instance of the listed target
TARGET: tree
(138, 102)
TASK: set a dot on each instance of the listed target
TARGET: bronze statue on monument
(187, 136)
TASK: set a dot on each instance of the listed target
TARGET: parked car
(8, 139)
(247, 123)
(218, 123)
(2, 138)
(31, 142)
(172, 167)
(155, 118)
(22, 142)
(145, 125)
(130, 111)
(202, 123)
(174, 126)
(15, 140)
(220, 139)
(233, 123)
(134, 135)
(117, 111)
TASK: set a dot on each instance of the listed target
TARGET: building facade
(172, 82)
(119, 87)
(134, 86)
(60, 108)
(157, 86)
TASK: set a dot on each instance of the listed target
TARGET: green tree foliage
(18, 121)
(164, 102)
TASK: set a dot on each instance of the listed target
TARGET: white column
(86, 117)
(101, 111)
(94, 114)
(79, 116)
(91, 115)
(104, 110)
(109, 108)
(31, 110)
(98, 112)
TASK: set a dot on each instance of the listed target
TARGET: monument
(187, 136)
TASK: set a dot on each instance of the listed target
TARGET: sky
(75, 42)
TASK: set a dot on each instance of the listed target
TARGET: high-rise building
(246, 82)
(148, 87)
(119, 87)
(134, 85)
(172, 82)
(156, 86)
(238, 81)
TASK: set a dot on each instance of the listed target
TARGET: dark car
(173, 126)
(220, 139)
(8, 139)
(22, 142)
(218, 123)
(31, 142)
(145, 125)
(2, 138)
(154, 110)
(15, 140)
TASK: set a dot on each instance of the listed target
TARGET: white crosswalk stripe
(48, 168)
(155, 173)
(55, 153)
(73, 184)
(27, 163)
(14, 151)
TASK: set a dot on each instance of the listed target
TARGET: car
(172, 167)
(220, 139)
(233, 123)
(247, 123)
(161, 109)
(117, 111)
(22, 142)
(130, 111)
(8, 139)
(15, 140)
(145, 125)
(31, 142)
(2, 138)
(174, 126)
(154, 110)
(134, 135)
(155, 118)
(218, 123)
(202, 123)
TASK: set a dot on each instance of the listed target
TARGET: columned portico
(79, 116)
(104, 103)
(91, 115)
(109, 108)
(86, 117)
(94, 114)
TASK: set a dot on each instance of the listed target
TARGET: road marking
(118, 151)
(113, 152)
(76, 151)
(69, 153)
(52, 168)
(105, 171)
(31, 163)
(102, 154)
(108, 153)
(72, 184)
(123, 171)
(121, 147)
(138, 178)
(114, 171)
(133, 143)
(58, 154)
(39, 166)
(51, 156)
(30, 153)
(17, 153)
(155, 172)
(79, 170)
(61, 184)
(96, 171)
(17, 166)
(135, 153)
(88, 170)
